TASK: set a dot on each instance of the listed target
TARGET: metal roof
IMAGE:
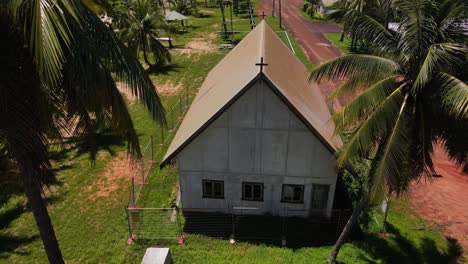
(174, 15)
(236, 73)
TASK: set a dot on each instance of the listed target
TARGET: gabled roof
(285, 74)
(174, 15)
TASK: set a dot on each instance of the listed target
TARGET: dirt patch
(117, 171)
(207, 11)
(197, 46)
(126, 92)
(212, 36)
(443, 200)
(169, 88)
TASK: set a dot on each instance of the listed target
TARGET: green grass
(94, 230)
(344, 45)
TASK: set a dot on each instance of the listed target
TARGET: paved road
(309, 34)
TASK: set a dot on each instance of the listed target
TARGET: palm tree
(185, 7)
(58, 72)
(141, 28)
(353, 13)
(412, 94)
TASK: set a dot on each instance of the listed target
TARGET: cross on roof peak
(261, 64)
(263, 15)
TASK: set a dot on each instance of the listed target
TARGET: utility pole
(280, 24)
(273, 9)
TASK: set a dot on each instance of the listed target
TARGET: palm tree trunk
(170, 43)
(44, 224)
(342, 36)
(347, 230)
(145, 57)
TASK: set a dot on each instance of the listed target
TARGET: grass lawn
(87, 206)
(344, 45)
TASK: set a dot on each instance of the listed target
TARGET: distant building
(324, 6)
(258, 134)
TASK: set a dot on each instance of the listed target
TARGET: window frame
(294, 186)
(312, 200)
(253, 199)
(213, 182)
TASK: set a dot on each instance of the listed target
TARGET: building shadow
(292, 232)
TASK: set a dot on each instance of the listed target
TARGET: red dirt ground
(442, 201)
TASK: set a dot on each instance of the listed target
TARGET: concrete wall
(257, 139)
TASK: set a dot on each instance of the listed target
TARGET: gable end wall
(257, 139)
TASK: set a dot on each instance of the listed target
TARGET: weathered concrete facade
(256, 139)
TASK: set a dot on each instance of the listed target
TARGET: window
(292, 193)
(319, 196)
(252, 191)
(213, 189)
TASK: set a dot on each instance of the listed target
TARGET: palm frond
(47, 30)
(120, 61)
(371, 29)
(365, 103)
(378, 123)
(417, 27)
(91, 91)
(454, 93)
(366, 66)
(439, 56)
(388, 164)
(160, 52)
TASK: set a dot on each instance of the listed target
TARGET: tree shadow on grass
(9, 243)
(92, 144)
(10, 214)
(398, 249)
(164, 69)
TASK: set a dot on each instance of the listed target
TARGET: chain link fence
(294, 228)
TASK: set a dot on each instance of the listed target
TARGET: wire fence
(154, 148)
(291, 227)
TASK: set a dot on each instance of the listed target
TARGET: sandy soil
(126, 92)
(169, 88)
(197, 46)
(117, 171)
(443, 200)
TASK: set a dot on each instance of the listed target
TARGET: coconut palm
(185, 7)
(141, 29)
(58, 72)
(412, 94)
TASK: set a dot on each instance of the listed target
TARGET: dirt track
(442, 201)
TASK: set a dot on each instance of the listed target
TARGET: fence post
(142, 170)
(233, 225)
(187, 96)
(133, 191)
(180, 105)
(338, 225)
(162, 136)
(283, 237)
(152, 150)
(128, 223)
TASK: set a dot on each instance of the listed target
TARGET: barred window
(252, 191)
(292, 193)
(213, 189)
(319, 196)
